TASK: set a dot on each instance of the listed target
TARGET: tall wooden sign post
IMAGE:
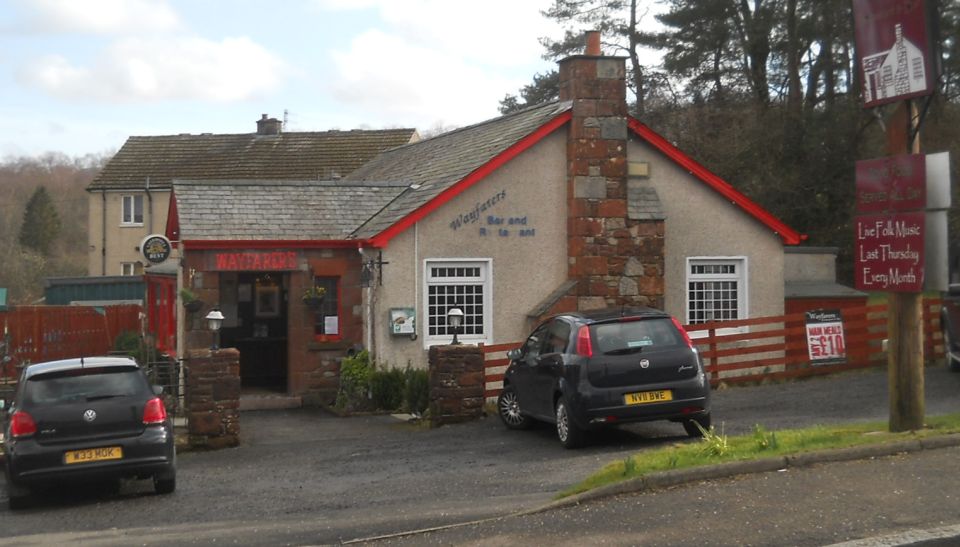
(905, 309)
(894, 49)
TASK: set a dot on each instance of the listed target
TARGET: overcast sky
(80, 76)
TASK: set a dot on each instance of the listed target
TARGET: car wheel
(508, 406)
(952, 363)
(570, 435)
(165, 484)
(690, 426)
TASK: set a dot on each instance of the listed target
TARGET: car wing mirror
(514, 354)
(158, 390)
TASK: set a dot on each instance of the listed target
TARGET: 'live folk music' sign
(889, 247)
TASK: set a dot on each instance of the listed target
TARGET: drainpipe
(367, 310)
(149, 207)
(103, 233)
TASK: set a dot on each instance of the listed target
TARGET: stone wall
(213, 397)
(456, 384)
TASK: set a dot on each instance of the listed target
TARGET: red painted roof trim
(214, 244)
(478, 174)
(788, 234)
(172, 230)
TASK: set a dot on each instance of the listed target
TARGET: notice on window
(825, 343)
(331, 324)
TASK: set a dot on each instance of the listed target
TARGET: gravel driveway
(362, 476)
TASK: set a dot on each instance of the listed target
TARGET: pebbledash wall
(122, 240)
(526, 259)
(700, 223)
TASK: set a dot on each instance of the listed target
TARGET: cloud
(388, 77)
(436, 61)
(100, 16)
(171, 68)
(492, 32)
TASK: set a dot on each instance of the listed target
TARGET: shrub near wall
(363, 388)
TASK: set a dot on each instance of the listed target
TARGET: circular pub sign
(155, 248)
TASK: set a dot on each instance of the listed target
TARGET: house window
(131, 268)
(327, 322)
(132, 210)
(716, 289)
(456, 284)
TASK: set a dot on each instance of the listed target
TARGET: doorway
(254, 305)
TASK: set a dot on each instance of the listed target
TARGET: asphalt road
(305, 477)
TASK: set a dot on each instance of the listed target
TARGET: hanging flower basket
(314, 302)
(313, 297)
(193, 306)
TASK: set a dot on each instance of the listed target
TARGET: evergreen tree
(41, 223)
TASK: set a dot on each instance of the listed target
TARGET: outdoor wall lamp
(214, 322)
(455, 319)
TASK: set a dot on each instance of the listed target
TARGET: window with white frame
(132, 210)
(131, 268)
(458, 284)
(716, 289)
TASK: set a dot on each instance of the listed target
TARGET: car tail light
(22, 425)
(683, 331)
(154, 412)
(584, 346)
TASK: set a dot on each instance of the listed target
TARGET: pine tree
(41, 223)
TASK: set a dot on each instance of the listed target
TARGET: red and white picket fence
(771, 348)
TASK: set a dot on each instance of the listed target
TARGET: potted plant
(190, 301)
(313, 296)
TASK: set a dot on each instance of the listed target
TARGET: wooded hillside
(23, 268)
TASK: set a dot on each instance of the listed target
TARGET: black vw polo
(587, 370)
(88, 418)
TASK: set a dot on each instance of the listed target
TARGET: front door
(254, 305)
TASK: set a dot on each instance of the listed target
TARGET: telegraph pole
(905, 309)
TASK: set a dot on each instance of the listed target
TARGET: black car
(586, 370)
(86, 419)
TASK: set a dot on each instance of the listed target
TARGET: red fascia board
(380, 240)
(259, 244)
(788, 234)
(172, 229)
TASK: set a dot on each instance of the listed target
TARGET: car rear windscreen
(638, 335)
(84, 385)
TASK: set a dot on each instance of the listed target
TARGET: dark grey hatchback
(86, 419)
(586, 370)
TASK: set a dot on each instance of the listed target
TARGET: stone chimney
(616, 260)
(268, 126)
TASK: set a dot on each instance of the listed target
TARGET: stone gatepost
(213, 397)
(456, 384)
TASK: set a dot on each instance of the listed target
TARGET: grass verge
(715, 447)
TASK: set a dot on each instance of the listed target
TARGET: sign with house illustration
(893, 41)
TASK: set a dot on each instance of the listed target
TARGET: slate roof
(431, 166)
(285, 156)
(277, 210)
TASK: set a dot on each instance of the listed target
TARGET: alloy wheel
(510, 409)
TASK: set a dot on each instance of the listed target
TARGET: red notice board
(889, 252)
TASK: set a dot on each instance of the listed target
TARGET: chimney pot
(593, 43)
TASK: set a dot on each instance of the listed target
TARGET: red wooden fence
(45, 333)
(752, 350)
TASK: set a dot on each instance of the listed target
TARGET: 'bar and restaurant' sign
(231, 261)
